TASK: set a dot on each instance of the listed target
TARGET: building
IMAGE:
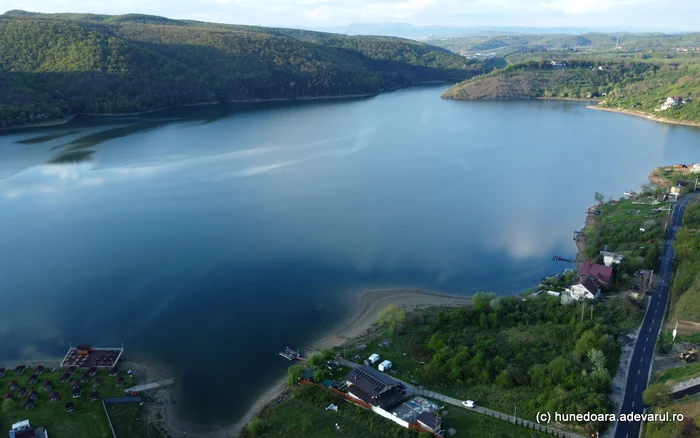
(375, 388)
(93, 395)
(558, 64)
(429, 422)
(33, 379)
(65, 377)
(70, 407)
(120, 381)
(23, 429)
(21, 392)
(38, 370)
(19, 370)
(33, 394)
(695, 168)
(587, 288)
(92, 371)
(53, 397)
(13, 385)
(671, 102)
(48, 386)
(602, 273)
(77, 393)
(610, 257)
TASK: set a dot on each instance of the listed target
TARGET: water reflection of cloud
(52, 178)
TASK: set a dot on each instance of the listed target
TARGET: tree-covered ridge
(53, 65)
(532, 79)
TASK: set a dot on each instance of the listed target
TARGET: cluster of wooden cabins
(14, 390)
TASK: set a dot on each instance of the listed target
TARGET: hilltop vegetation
(580, 79)
(53, 65)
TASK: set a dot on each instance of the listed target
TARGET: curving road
(640, 363)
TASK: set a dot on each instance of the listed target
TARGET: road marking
(639, 371)
(635, 388)
(632, 404)
(652, 321)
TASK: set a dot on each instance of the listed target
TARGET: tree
(294, 373)
(656, 395)
(256, 427)
(597, 359)
(599, 198)
(393, 318)
(7, 405)
(482, 300)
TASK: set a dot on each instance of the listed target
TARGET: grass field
(304, 414)
(125, 419)
(674, 375)
(689, 407)
(88, 419)
(468, 423)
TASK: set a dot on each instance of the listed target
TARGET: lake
(211, 237)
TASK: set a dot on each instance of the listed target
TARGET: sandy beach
(647, 116)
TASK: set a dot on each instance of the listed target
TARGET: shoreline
(361, 320)
(66, 119)
(644, 115)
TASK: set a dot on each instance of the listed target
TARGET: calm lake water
(212, 237)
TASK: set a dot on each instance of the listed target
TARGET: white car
(468, 403)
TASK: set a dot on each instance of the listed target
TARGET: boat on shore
(290, 354)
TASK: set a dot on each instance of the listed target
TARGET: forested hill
(53, 65)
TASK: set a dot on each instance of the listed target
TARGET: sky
(664, 15)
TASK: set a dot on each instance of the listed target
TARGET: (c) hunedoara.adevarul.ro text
(547, 417)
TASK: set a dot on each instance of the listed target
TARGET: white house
(695, 168)
(610, 257)
(587, 288)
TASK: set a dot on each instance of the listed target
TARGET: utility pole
(675, 332)
(591, 313)
(651, 278)
(583, 307)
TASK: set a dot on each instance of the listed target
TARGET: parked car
(469, 404)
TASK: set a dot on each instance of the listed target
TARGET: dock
(290, 354)
(147, 386)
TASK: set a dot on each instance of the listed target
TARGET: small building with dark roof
(120, 381)
(371, 386)
(65, 377)
(39, 369)
(84, 378)
(54, 397)
(29, 404)
(75, 384)
(96, 382)
(13, 385)
(77, 393)
(33, 394)
(48, 386)
(93, 396)
(19, 369)
(70, 407)
(92, 371)
(71, 369)
(114, 371)
(21, 392)
(428, 421)
(33, 379)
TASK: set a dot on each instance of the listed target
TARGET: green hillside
(53, 65)
(580, 79)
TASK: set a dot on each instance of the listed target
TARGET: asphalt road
(640, 363)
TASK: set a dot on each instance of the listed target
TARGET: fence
(117, 401)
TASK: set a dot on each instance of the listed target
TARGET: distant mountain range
(407, 30)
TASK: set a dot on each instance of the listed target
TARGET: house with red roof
(604, 274)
